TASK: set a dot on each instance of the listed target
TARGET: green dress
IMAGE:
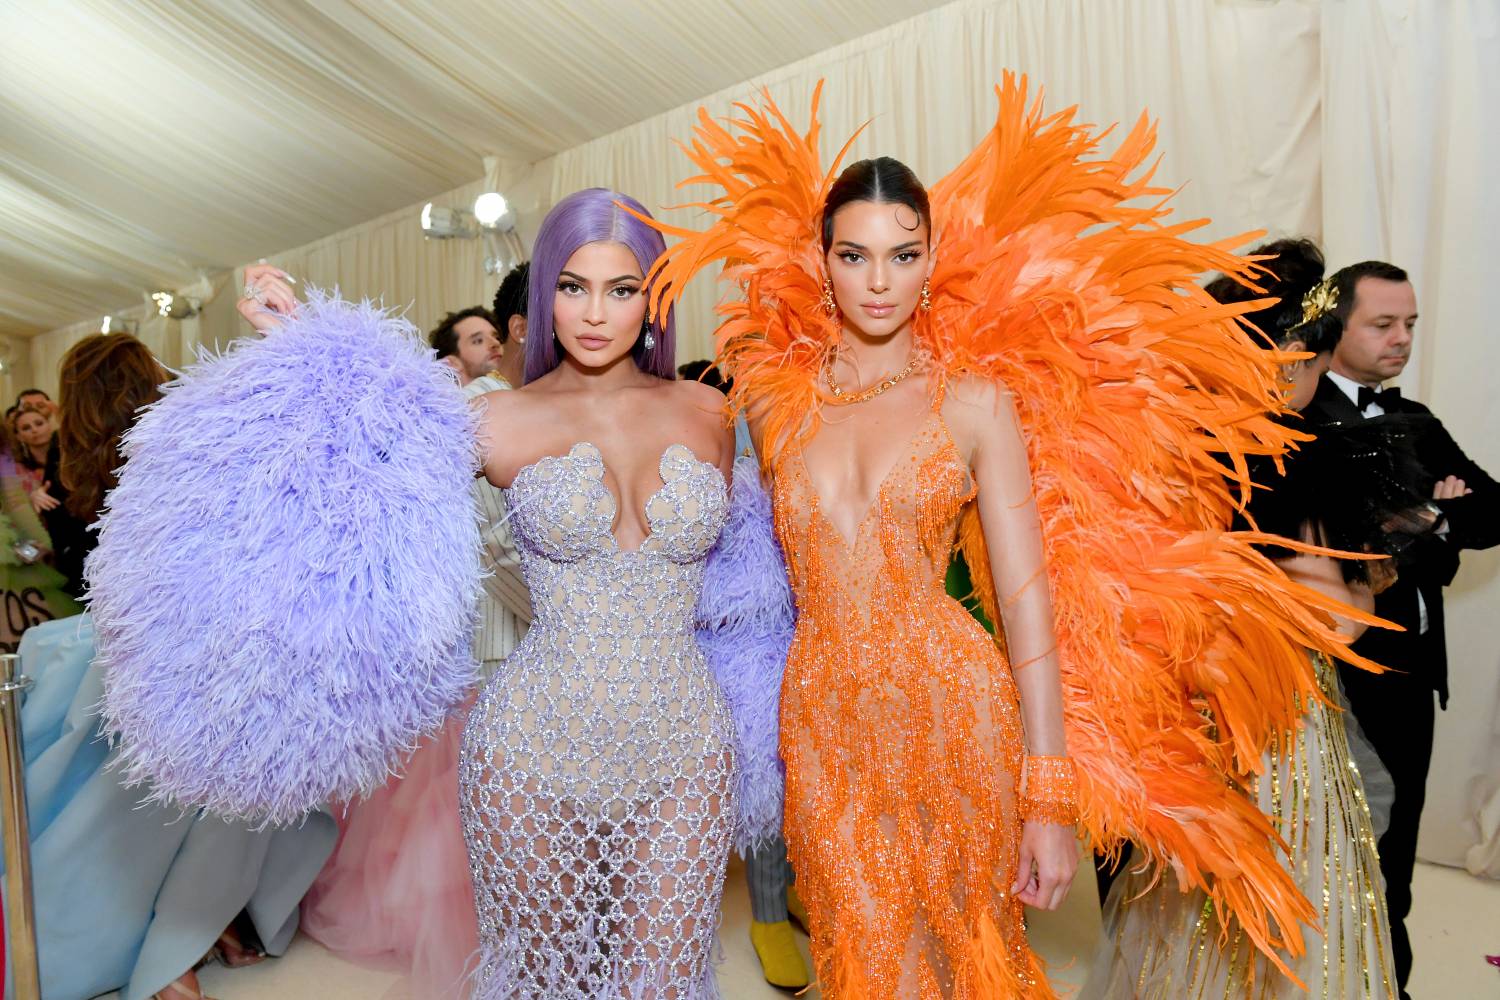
(30, 592)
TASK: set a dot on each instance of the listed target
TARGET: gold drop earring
(829, 306)
(926, 303)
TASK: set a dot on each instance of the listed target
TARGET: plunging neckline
(851, 545)
(616, 504)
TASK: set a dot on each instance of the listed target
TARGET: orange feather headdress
(1182, 648)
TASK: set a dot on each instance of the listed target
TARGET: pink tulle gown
(396, 892)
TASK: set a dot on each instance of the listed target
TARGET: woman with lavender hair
(615, 758)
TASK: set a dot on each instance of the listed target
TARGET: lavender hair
(592, 216)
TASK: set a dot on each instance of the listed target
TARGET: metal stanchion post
(20, 914)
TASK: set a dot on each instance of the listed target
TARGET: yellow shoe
(780, 961)
(796, 909)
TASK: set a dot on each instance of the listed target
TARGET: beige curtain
(1411, 135)
(1234, 86)
(386, 259)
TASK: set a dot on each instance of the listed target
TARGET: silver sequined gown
(597, 767)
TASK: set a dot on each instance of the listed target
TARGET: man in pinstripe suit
(476, 340)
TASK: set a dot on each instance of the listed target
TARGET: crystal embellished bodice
(598, 764)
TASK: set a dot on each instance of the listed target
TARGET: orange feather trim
(1182, 648)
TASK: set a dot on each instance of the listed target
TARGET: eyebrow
(612, 281)
(909, 244)
(1382, 316)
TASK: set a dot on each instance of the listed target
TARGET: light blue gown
(129, 897)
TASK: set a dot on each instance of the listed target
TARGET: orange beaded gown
(1182, 649)
(902, 736)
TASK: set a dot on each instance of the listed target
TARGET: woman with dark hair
(599, 765)
(1161, 939)
(1019, 364)
(130, 894)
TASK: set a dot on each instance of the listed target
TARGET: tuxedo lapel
(1330, 406)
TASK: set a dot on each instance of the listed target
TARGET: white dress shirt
(1351, 389)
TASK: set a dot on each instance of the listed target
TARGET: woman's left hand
(1049, 859)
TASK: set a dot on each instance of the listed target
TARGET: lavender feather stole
(287, 572)
(745, 620)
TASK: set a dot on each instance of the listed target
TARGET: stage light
(170, 306)
(493, 212)
(440, 223)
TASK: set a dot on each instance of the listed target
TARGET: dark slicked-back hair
(1296, 265)
(510, 299)
(884, 181)
(1347, 279)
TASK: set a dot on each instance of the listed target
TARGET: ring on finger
(254, 291)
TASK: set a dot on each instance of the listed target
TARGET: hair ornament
(1319, 301)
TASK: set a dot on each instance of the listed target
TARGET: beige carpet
(1456, 921)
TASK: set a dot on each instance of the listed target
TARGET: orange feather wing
(1182, 648)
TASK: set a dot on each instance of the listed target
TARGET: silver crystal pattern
(597, 766)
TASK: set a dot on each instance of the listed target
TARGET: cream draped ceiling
(142, 142)
(146, 140)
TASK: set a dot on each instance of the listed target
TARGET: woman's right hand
(41, 500)
(276, 300)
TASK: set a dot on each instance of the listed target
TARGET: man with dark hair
(469, 341)
(33, 395)
(1378, 307)
(505, 610)
(510, 311)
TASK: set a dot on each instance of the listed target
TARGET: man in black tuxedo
(1379, 309)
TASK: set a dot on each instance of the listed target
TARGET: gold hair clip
(1319, 301)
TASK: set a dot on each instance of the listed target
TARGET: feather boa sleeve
(286, 573)
(744, 623)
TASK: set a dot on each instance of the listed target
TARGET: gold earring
(829, 306)
(926, 303)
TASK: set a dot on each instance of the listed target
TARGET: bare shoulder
(707, 408)
(975, 404)
(702, 401)
(696, 393)
(511, 404)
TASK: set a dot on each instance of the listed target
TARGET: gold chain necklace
(843, 399)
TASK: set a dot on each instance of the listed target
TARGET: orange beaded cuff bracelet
(1049, 791)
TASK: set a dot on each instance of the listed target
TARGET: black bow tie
(1387, 398)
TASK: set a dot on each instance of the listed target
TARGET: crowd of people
(929, 461)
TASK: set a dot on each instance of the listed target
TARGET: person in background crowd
(1378, 307)
(469, 340)
(36, 398)
(397, 889)
(510, 316)
(31, 591)
(774, 904)
(106, 379)
(36, 452)
(130, 896)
